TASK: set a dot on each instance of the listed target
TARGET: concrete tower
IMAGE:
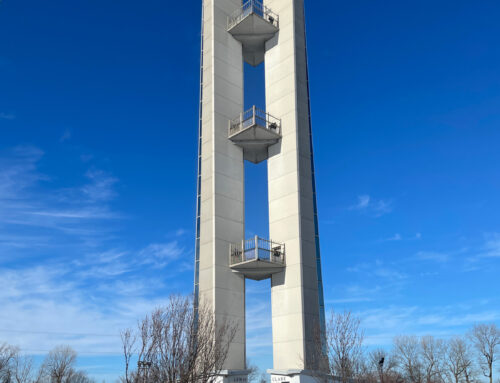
(271, 34)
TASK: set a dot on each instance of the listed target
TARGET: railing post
(243, 259)
(256, 246)
(254, 110)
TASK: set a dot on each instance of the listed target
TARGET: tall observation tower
(270, 34)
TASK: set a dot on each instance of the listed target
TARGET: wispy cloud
(116, 262)
(181, 232)
(395, 237)
(433, 256)
(161, 254)
(383, 323)
(86, 157)
(7, 116)
(354, 293)
(349, 300)
(363, 202)
(374, 281)
(18, 171)
(28, 197)
(492, 246)
(259, 332)
(371, 206)
(390, 273)
(46, 305)
(88, 213)
(477, 255)
(378, 269)
(398, 237)
(65, 136)
(100, 187)
(65, 302)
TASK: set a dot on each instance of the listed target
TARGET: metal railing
(257, 249)
(249, 7)
(254, 116)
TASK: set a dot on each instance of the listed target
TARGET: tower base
(232, 376)
(298, 376)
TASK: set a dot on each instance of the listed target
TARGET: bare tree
(407, 353)
(363, 371)
(23, 369)
(7, 356)
(458, 360)
(59, 364)
(382, 364)
(432, 357)
(486, 339)
(128, 338)
(344, 340)
(175, 344)
(58, 367)
(263, 378)
(254, 372)
(80, 377)
(470, 374)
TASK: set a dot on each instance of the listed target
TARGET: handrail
(257, 249)
(254, 116)
(249, 7)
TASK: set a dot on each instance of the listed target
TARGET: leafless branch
(486, 340)
(177, 345)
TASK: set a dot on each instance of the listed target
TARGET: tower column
(295, 295)
(221, 210)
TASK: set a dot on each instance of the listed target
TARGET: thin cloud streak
(7, 116)
(368, 205)
(384, 323)
(26, 202)
(492, 246)
(433, 256)
(398, 237)
(66, 136)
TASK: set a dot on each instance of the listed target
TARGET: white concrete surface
(295, 307)
(222, 190)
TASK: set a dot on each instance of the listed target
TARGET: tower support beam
(222, 176)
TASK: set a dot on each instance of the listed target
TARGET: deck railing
(257, 249)
(249, 7)
(254, 116)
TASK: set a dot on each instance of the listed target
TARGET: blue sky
(98, 124)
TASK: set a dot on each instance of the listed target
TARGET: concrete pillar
(222, 174)
(295, 295)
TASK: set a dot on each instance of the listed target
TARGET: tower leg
(296, 294)
(221, 183)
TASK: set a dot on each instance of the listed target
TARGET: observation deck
(257, 258)
(253, 24)
(255, 130)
